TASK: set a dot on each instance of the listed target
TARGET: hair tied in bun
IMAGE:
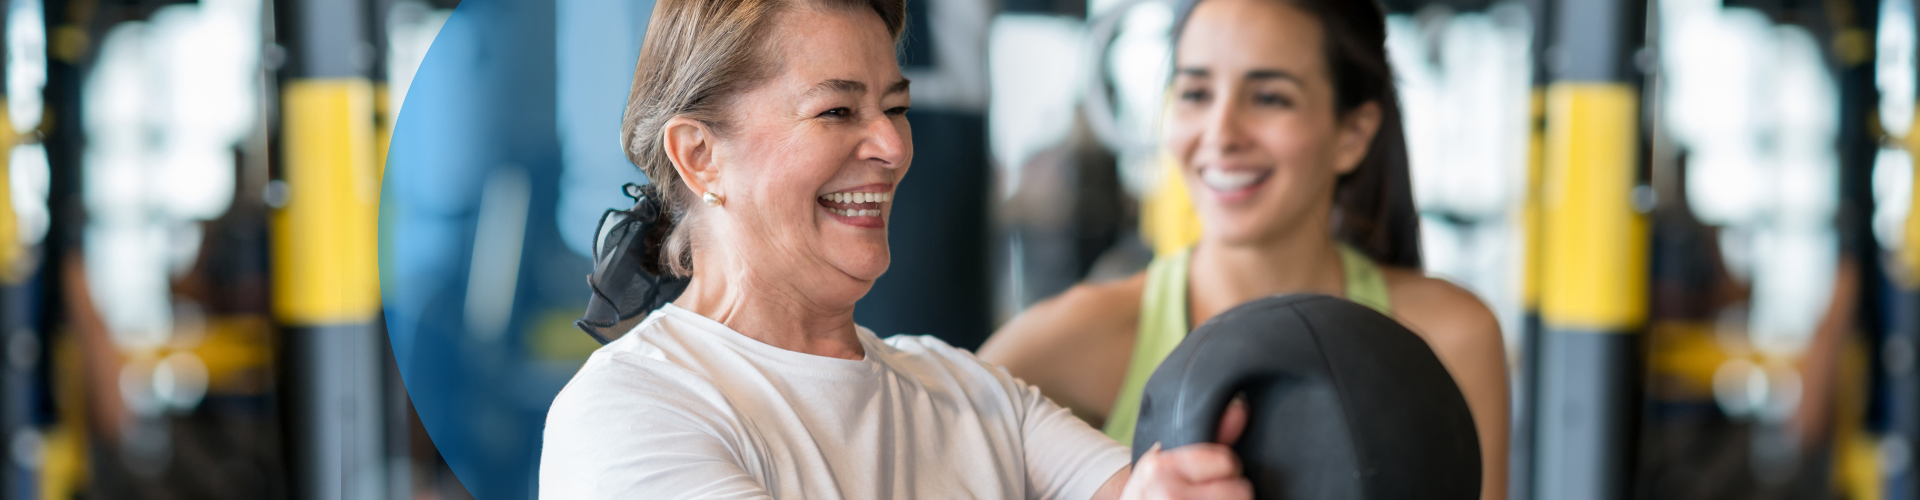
(628, 281)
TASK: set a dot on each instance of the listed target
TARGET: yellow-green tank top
(1163, 323)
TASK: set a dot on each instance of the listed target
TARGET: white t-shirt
(684, 407)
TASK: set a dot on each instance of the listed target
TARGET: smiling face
(809, 159)
(1255, 122)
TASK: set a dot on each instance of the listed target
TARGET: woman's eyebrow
(837, 86)
(1273, 74)
(1257, 74)
(841, 86)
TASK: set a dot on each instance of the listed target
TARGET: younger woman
(1287, 133)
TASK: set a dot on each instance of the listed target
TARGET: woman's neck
(773, 312)
(1223, 275)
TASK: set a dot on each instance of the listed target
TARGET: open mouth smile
(1234, 184)
(860, 206)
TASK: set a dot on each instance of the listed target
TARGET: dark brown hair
(698, 55)
(1373, 205)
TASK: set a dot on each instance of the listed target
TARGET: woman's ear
(689, 146)
(1356, 136)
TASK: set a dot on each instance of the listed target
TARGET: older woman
(775, 133)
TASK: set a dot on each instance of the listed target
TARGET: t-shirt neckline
(868, 343)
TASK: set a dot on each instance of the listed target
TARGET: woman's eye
(1272, 99)
(1193, 95)
(837, 113)
(897, 111)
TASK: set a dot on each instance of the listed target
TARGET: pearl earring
(712, 200)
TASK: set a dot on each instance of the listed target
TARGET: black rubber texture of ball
(1343, 403)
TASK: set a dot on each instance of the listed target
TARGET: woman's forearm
(1114, 485)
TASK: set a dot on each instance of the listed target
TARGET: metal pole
(1593, 288)
(325, 288)
(1526, 379)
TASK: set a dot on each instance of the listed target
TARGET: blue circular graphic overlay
(503, 156)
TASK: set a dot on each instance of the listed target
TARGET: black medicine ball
(1343, 403)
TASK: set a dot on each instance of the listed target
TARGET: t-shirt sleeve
(620, 439)
(1066, 458)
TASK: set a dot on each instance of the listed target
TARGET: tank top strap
(1163, 324)
(1365, 285)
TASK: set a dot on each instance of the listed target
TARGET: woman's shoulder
(1088, 312)
(628, 411)
(1074, 347)
(632, 375)
(615, 377)
(1094, 308)
(1443, 312)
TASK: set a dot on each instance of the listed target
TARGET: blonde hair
(698, 55)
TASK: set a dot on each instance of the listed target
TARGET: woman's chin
(1236, 229)
(863, 268)
(868, 273)
(857, 281)
(862, 255)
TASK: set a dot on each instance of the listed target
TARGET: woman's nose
(886, 143)
(1223, 128)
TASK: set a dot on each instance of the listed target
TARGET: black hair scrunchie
(626, 281)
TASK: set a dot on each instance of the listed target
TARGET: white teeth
(857, 197)
(1229, 180)
(854, 213)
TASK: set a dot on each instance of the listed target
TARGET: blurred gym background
(1692, 217)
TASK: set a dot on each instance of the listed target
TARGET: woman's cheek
(1183, 139)
(1292, 144)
